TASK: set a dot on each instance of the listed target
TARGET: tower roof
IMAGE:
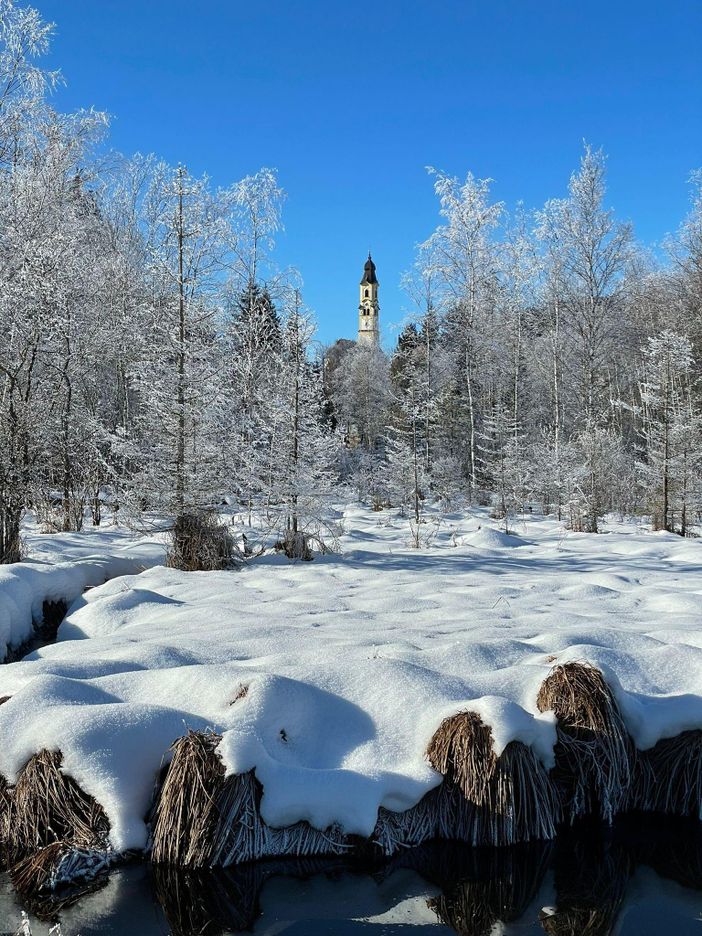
(369, 271)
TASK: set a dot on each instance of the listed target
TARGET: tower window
(366, 293)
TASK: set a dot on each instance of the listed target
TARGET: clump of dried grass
(4, 817)
(503, 800)
(185, 814)
(295, 545)
(58, 876)
(668, 777)
(200, 543)
(47, 807)
(594, 753)
(31, 875)
(462, 750)
(203, 819)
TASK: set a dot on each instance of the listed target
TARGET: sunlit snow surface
(58, 567)
(352, 661)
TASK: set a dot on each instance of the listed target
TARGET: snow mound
(25, 586)
(490, 538)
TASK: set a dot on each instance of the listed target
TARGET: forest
(155, 362)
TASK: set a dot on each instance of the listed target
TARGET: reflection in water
(481, 887)
(639, 879)
(590, 877)
(209, 903)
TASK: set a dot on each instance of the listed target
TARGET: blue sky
(350, 101)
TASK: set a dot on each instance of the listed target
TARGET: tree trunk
(180, 440)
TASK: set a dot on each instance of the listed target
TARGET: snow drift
(50, 576)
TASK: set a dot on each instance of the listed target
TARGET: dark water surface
(644, 878)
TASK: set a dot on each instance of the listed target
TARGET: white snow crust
(352, 661)
(59, 568)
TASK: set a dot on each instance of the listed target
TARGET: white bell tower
(369, 308)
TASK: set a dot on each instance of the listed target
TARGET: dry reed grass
(5, 801)
(203, 820)
(31, 875)
(594, 753)
(57, 877)
(511, 797)
(668, 777)
(47, 807)
(185, 815)
(200, 543)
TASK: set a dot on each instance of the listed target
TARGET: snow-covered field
(329, 678)
(60, 566)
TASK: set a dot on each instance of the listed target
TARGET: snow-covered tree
(361, 396)
(462, 262)
(587, 252)
(189, 244)
(671, 429)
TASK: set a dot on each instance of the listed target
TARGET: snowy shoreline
(59, 569)
(328, 680)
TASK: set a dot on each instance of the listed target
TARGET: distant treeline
(152, 357)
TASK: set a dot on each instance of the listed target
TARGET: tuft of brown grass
(5, 802)
(462, 750)
(48, 807)
(203, 819)
(57, 876)
(668, 777)
(580, 698)
(594, 753)
(185, 816)
(506, 799)
(241, 693)
(200, 543)
(32, 875)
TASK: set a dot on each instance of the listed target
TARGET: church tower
(369, 308)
